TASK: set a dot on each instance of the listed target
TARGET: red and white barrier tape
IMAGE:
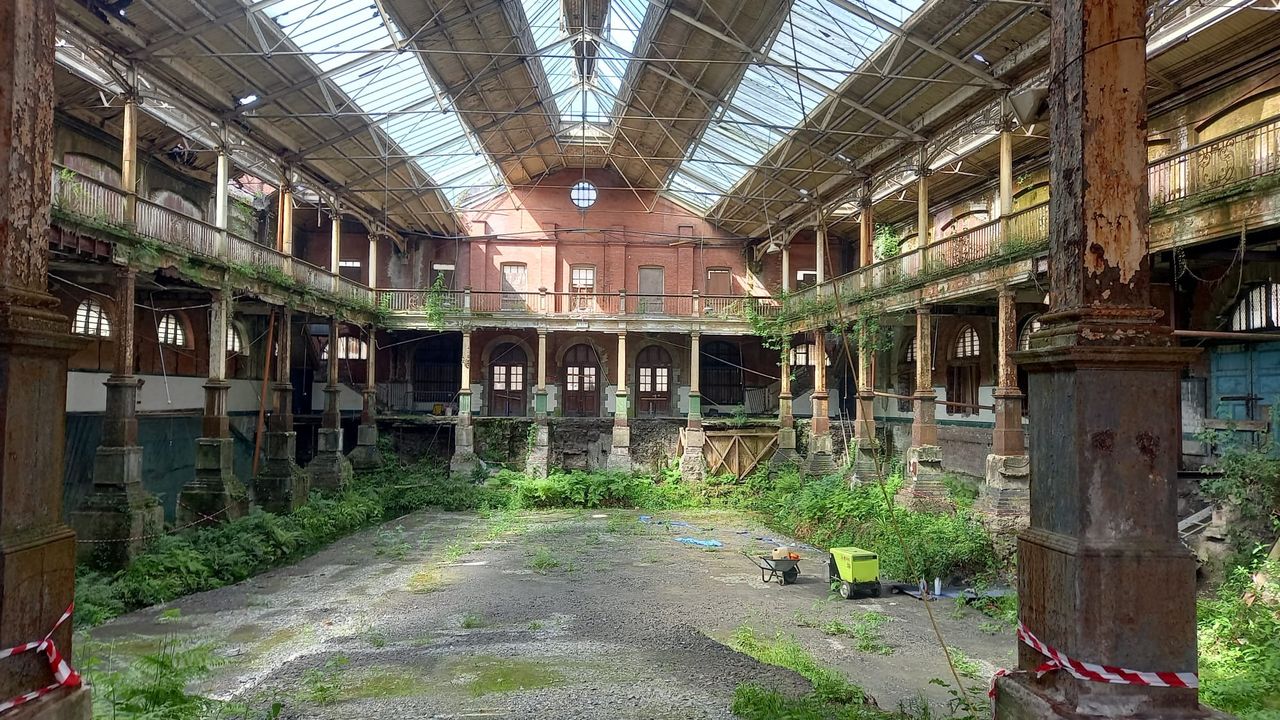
(63, 674)
(1094, 672)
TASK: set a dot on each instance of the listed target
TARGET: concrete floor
(587, 614)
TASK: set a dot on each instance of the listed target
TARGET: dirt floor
(592, 614)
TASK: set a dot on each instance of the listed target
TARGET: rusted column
(215, 495)
(923, 223)
(540, 392)
(620, 452)
(1008, 438)
(366, 455)
(37, 551)
(821, 460)
(281, 486)
(866, 230)
(786, 452)
(1006, 171)
(865, 458)
(116, 520)
(464, 461)
(129, 157)
(924, 457)
(693, 465)
(820, 242)
(330, 469)
(335, 246)
(1104, 394)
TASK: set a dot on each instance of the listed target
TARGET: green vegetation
(472, 621)
(543, 561)
(888, 242)
(1239, 639)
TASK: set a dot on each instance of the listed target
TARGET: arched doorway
(720, 380)
(508, 384)
(581, 382)
(437, 371)
(653, 381)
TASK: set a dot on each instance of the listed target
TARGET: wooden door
(653, 381)
(581, 382)
(652, 287)
(508, 383)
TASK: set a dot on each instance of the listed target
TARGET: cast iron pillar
(1105, 397)
(37, 551)
(537, 462)
(118, 517)
(620, 450)
(821, 461)
(366, 455)
(866, 229)
(924, 457)
(785, 455)
(464, 461)
(216, 495)
(866, 453)
(693, 465)
(1005, 495)
(282, 486)
(329, 469)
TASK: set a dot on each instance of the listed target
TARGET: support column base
(216, 495)
(281, 486)
(922, 481)
(118, 519)
(865, 462)
(465, 462)
(329, 469)
(538, 461)
(73, 704)
(693, 466)
(821, 460)
(620, 452)
(1005, 497)
(785, 456)
(366, 455)
(1016, 699)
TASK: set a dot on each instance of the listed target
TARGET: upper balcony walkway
(1203, 193)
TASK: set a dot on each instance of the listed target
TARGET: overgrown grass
(1239, 637)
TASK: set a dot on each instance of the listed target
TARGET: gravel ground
(541, 615)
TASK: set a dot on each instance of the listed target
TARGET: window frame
(96, 323)
(177, 336)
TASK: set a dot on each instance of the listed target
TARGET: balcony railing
(1215, 166)
(575, 304)
(99, 201)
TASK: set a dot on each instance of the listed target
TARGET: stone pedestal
(329, 469)
(922, 479)
(216, 495)
(821, 459)
(539, 459)
(1005, 497)
(620, 452)
(785, 455)
(366, 455)
(693, 466)
(118, 519)
(281, 486)
(464, 462)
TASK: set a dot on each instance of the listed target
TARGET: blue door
(1245, 381)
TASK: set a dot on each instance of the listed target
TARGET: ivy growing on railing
(888, 242)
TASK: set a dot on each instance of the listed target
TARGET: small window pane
(660, 383)
(91, 320)
(573, 382)
(499, 377)
(234, 345)
(170, 332)
(911, 350)
(646, 379)
(966, 343)
(588, 379)
(517, 377)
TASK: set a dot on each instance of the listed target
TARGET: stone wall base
(922, 480)
(1017, 699)
(366, 455)
(693, 465)
(538, 462)
(216, 495)
(866, 466)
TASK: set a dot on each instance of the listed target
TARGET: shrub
(1239, 638)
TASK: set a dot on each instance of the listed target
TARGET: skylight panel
(393, 89)
(819, 45)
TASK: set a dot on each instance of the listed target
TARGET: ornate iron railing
(575, 304)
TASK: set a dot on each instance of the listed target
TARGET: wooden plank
(1238, 425)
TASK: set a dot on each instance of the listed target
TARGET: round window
(583, 194)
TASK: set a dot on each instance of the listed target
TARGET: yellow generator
(856, 570)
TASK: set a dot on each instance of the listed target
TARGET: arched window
(966, 345)
(907, 375)
(91, 320)
(169, 331)
(235, 345)
(910, 355)
(963, 373)
(1259, 310)
(1024, 338)
(350, 347)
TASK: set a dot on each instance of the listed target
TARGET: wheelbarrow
(784, 570)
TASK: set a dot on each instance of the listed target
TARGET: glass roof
(819, 45)
(585, 71)
(349, 40)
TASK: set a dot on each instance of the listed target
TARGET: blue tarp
(699, 542)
